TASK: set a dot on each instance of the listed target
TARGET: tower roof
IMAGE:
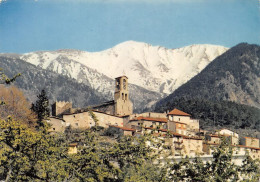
(121, 77)
(178, 112)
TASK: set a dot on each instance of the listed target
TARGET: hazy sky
(95, 25)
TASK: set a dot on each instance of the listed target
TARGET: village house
(181, 122)
(232, 137)
(148, 122)
(192, 146)
(73, 148)
(250, 142)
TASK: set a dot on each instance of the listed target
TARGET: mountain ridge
(154, 68)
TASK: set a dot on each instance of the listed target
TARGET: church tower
(123, 105)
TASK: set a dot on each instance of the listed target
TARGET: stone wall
(250, 142)
(149, 115)
(62, 107)
(192, 147)
(84, 120)
(57, 124)
(108, 107)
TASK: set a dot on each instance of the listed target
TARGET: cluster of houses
(181, 134)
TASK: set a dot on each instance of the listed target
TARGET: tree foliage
(16, 105)
(32, 155)
(220, 169)
(41, 107)
(4, 79)
(26, 154)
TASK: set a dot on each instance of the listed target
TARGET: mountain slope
(152, 67)
(233, 76)
(61, 88)
(58, 87)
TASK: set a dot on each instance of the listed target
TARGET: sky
(96, 25)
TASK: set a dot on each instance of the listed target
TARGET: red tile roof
(123, 128)
(178, 112)
(252, 138)
(73, 144)
(218, 136)
(161, 120)
(164, 130)
(177, 134)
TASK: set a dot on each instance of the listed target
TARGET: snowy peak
(152, 67)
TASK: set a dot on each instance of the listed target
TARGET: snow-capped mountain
(152, 67)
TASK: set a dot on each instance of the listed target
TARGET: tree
(222, 167)
(16, 105)
(29, 155)
(41, 108)
(136, 158)
(4, 79)
(250, 170)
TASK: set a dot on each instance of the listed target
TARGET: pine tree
(41, 107)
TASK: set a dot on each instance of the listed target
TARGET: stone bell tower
(123, 105)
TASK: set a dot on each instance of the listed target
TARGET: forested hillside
(233, 76)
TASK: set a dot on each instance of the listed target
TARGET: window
(125, 96)
(122, 96)
(53, 129)
(118, 84)
(124, 84)
(179, 119)
(77, 124)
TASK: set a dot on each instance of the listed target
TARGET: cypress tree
(41, 107)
